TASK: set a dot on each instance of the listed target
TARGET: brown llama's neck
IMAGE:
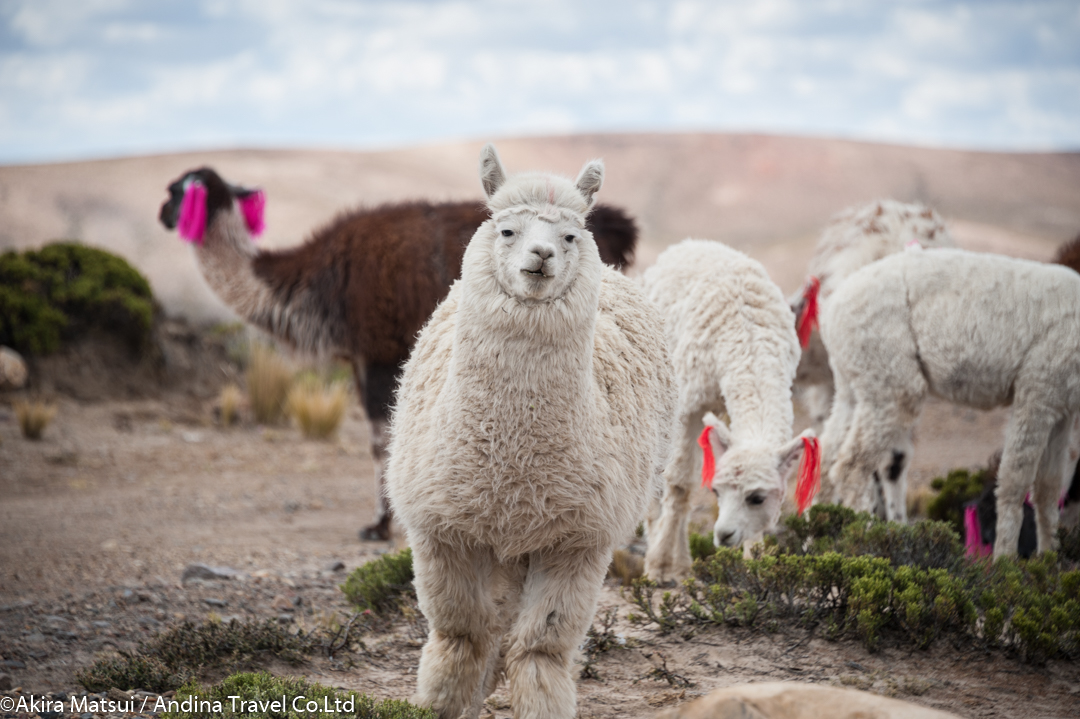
(236, 271)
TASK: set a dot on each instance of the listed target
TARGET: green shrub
(381, 584)
(210, 702)
(701, 545)
(177, 655)
(58, 292)
(1069, 543)
(954, 491)
(853, 575)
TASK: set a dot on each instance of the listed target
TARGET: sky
(99, 78)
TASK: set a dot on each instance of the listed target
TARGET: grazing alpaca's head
(749, 481)
(539, 224)
(196, 198)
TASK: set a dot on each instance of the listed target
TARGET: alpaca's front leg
(1051, 480)
(668, 556)
(453, 587)
(1027, 438)
(557, 604)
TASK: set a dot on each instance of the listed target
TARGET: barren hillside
(766, 195)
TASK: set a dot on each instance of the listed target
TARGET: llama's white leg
(818, 399)
(507, 581)
(880, 433)
(668, 556)
(557, 604)
(1026, 439)
(1049, 481)
(453, 587)
(837, 428)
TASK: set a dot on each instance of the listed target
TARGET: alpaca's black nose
(725, 538)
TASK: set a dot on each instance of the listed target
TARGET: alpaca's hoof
(378, 532)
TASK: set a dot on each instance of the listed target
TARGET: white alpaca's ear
(719, 437)
(792, 452)
(590, 179)
(492, 174)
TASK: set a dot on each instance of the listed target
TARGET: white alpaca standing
(853, 239)
(732, 340)
(532, 425)
(976, 329)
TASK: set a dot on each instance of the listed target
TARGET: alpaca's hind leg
(668, 556)
(453, 588)
(872, 460)
(1049, 483)
(1027, 438)
(557, 604)
(836, 431)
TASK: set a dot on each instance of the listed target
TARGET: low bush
(268, 379)
(955, 490)
(849, 574)
(229, 402)
(34, 417)
(58, 292)
(318, 408)
(381, 584)
(177, 655)
(701, 545)
(240, 695)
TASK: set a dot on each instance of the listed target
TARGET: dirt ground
(100, 518)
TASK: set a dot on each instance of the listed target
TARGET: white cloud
(110, 75)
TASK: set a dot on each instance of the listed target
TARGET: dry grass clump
(268, 381)
(626, 567)
(318, 408)
(34, 417)
(229, 401)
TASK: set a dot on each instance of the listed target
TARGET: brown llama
(360, 288)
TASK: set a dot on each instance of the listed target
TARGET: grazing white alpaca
(975, 329)
(853, 239)
(732, 341)
(532, 425)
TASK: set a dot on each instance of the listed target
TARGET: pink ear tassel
(252, 206)
(192, 222)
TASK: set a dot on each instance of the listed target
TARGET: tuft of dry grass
(626, 567)
(268, 381)
(918, 501)
(230, 400)
(318, 408)
(34, 417)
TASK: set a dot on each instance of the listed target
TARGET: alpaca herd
(530, 405)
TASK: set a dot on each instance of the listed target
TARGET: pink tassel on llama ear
(252, 207)
(708, 464)
(192, 222)
(809, 473)
(973, 533)
(804, 325)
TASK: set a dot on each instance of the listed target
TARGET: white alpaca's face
(536, 255)
(749, 492)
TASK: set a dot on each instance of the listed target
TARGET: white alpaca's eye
(755, 499)
(569, 238)
(507, 233)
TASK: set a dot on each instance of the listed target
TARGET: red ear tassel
(809, 473)
(252, 206)
(192, 222)
(708, 464)
(809, 315)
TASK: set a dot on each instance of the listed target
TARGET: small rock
(215, 602)
(284, 618)
(86, 715)
(5, 682)
(282, 603)
(192, 437)
(118, 695)
(35, 638)
(13, 664)
(127, 594)
(335, 566)
(102, 625)
(13, 372)
(205, 572)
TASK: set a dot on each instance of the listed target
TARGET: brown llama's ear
(492, 174)
(590, 179)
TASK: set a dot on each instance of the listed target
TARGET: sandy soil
(100, 518)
